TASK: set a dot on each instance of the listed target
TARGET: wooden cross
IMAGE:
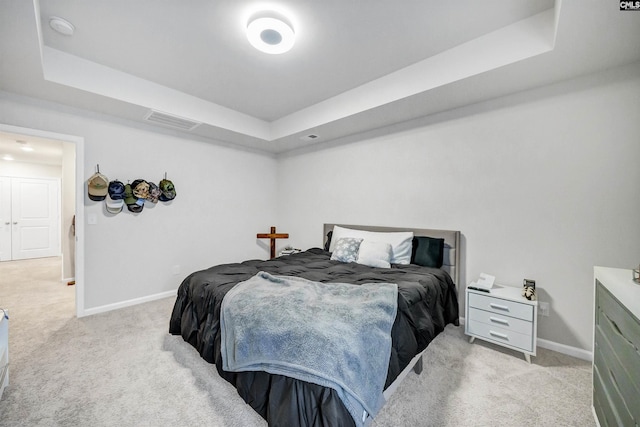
(273, 236)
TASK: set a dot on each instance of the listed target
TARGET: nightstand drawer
(500, 321)
(502, 336)
(501, 306)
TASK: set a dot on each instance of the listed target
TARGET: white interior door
(34, 218)
(5, 219)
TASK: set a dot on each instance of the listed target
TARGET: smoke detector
(61, 26)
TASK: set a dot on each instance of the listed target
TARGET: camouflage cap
(154, 193)
(140, 188)
(133, 203)
(168, 190)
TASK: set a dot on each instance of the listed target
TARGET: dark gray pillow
(327, 244)
(427, 251)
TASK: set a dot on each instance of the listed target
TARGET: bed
(425, 302)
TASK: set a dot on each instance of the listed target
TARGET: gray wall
(225, 196)
(543, 185)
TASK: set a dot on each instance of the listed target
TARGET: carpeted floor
(121, 368)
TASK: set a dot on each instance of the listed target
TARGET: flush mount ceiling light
(270, 32)
(61, 26)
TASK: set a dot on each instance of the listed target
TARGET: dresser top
(619, 282)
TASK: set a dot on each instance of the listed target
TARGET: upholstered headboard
(451, 263)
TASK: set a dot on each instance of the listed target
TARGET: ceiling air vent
(170, 120)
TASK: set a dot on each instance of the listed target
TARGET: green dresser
(616, 355)
(4, 350)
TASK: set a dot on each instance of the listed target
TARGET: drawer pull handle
(501, 321)
(617, 329)
(499, 335)
(615, 382)
(498, 306)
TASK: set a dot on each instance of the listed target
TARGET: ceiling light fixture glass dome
(270, 32)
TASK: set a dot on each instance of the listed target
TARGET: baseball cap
(113, 206)
(133, 203)
(98, 186)
(167, 189)
(154, 193)
(116, 190)
(140, 188)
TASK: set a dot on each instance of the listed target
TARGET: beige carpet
(122, 369)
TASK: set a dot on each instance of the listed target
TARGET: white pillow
(374, 254)
(400, 241)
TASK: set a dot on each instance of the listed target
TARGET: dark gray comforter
(427, 302)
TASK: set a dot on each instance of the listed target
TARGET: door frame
(6, 242)
(79, 186)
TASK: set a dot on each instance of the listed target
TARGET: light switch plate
(544, 308)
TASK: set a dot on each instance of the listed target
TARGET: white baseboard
(549, 345)
(576, 352)
(128, 303)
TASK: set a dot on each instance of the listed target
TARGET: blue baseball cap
(116, 190)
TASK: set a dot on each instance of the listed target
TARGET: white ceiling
(45, 151)
(356, 66)
(202, 49)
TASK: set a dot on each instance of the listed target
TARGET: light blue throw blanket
(333, 334)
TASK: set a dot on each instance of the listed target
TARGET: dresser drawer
(609, 339)
(500, 321)
(614, 383)
(626, 326)
(501, 336)
(4, 352)
(616, 359)
(4, 372)
(501, 306)
(605, 402)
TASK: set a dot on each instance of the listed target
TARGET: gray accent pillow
(346, 249)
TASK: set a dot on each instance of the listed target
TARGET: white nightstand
(504, 317)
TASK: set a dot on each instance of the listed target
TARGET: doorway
(68, 237)
(30, 212)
